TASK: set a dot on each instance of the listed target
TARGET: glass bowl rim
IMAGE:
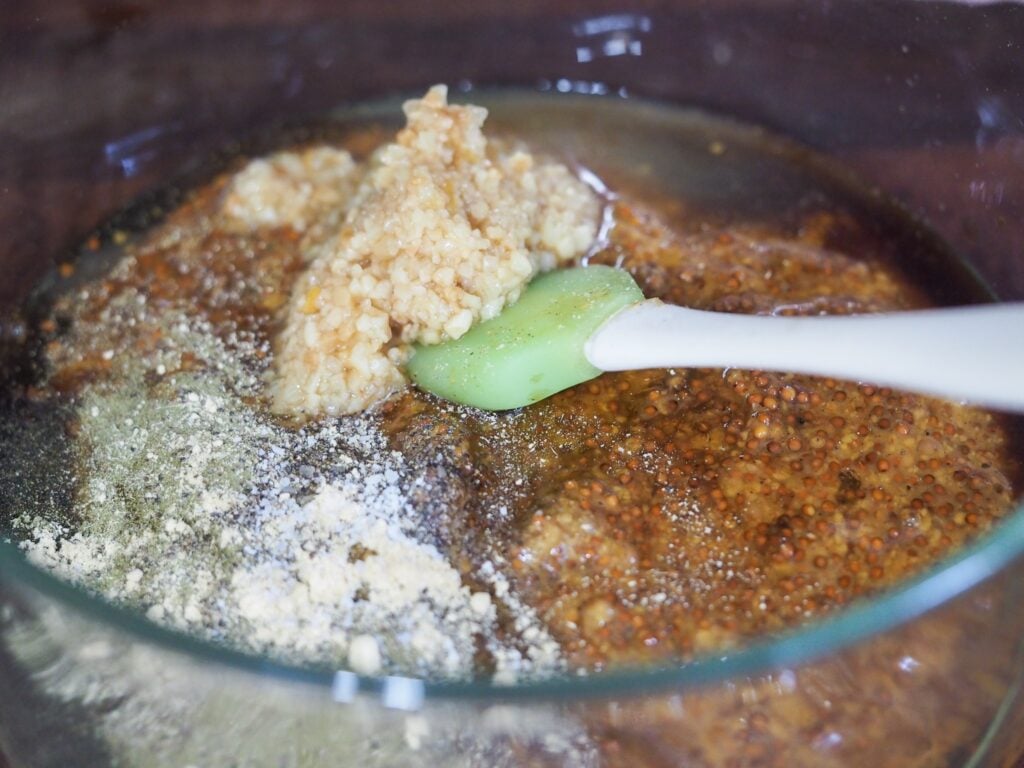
(940, 584)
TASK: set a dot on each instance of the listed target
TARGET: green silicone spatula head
(534, 348)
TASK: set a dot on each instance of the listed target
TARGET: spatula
(572, 324)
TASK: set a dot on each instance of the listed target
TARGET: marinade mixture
(642, 517)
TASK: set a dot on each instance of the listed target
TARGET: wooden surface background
(146, 84)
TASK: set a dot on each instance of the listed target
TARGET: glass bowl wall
(101, 101)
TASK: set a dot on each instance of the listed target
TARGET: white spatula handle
(964, 353)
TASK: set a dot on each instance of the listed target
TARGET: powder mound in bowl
(302, 544)
(445, 229)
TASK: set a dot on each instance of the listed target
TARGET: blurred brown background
(154, 85)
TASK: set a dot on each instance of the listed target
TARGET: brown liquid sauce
(657, 514)
(650, 515)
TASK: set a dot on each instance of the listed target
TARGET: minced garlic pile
(444, 229)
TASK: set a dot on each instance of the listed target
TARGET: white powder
(300, 544)
(364, 655)
(342, 569)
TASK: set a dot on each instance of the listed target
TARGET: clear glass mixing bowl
(925, 101)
